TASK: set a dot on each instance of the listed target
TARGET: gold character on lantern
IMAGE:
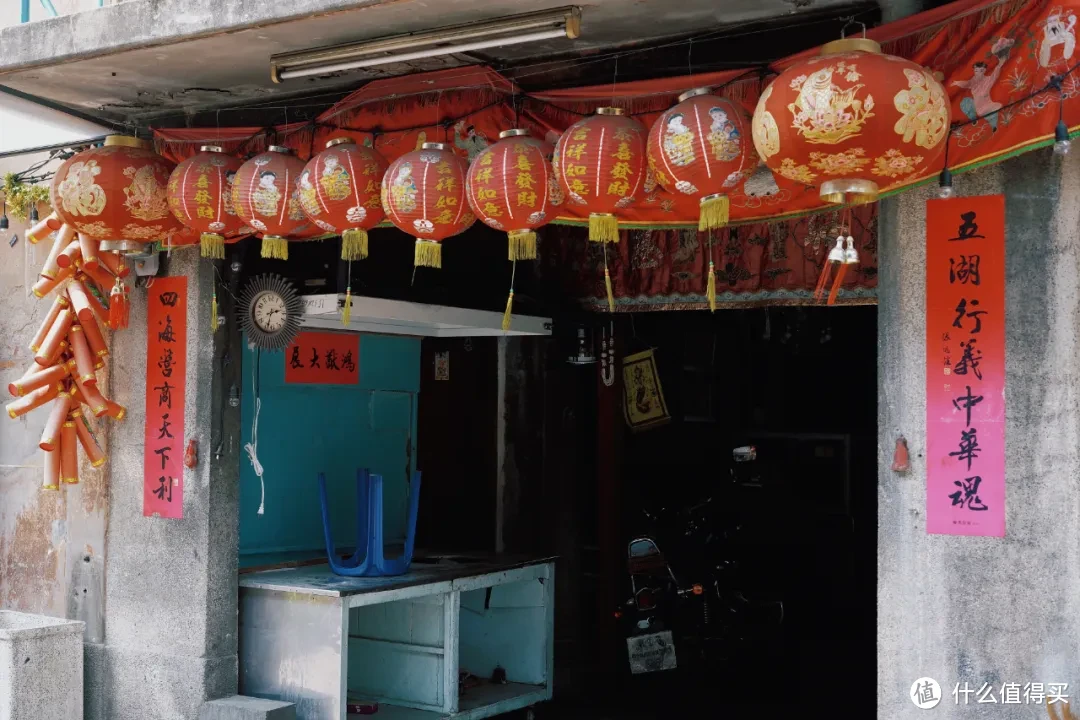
(483, 175)
(526, 198)
(266, 197)
(678, 141)
(146, 198)
(79, 193)
(823, 112)
(925, 110)
(448, 184)
(308, 197)
(724, 138)
(445, 217)
(334, 180)
(445, 200)
(575, 151)
(403, 189)
(525, 181)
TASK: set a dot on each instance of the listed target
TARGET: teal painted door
(307, 429)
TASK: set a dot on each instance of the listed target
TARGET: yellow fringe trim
(275, 248)
(522, 244)
(428, 254)
(508, 312)
(346, 312)
(603, 228)
(213, 314)
(354, 244)
(715, 213)
(610, 295)
(212, 245)
(710, 291)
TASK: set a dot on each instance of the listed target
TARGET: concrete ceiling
(192, 67)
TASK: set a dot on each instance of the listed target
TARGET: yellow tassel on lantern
(428, 254)
(710, 290)
(354, 245)
(715, 212)
(603, 227)
(610, 295)
(213, 313)
(522, 244)
(508, 312)
(212, 245)
(346, 312)
(275, 247)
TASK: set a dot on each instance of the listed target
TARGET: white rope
(252, 448)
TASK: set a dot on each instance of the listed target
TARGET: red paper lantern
(852, 121)
(200, 196)
(509, 189)
(264, 196)
(116, 194)
(423, 193)
(600, 165)
(340, 192)
(702, 148)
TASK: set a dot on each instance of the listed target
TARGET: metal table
(313, 638)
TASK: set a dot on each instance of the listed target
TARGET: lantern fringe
(715, 213)
(522, 244)
(603, 228)
(710, 290)
(346, 311)
(508, 312)
(354, 244)
(610, 295)
(275, 248)
(212, 245)
(428, 254)
(213, 314)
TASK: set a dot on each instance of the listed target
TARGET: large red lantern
(423, 193)
(508, 189)
(200, 196)
(340, 192)
(116, 194)
(600, 165)
(702, 148)
(264, 196)
(852, 121)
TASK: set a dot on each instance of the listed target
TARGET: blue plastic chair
(368, 559)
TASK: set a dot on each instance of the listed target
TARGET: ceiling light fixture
(529, 27)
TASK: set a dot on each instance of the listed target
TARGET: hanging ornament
(600, 165)
(264, 196)
(423, 193)
(702, 148)
(339, 191)
(200, 196)
(508, 189)
(116, 194)
(852, 121)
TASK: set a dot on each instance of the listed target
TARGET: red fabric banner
(996, 59)
(965, 366)
(323, 359)
(166, 368)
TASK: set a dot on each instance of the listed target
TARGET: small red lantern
(340, 192)
(851, 121)
(423, 193)
(702, 148)
(508, 189)
(600, 165)
(200, 196)
(116, 194)
(264, 196)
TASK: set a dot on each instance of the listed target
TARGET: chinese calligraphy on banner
(965, 366)
(166, 365)
(324, 359)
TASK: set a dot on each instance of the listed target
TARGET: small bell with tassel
(119, 310)
(836, 257)
(850, 257)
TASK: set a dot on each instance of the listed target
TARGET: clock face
(269, 312)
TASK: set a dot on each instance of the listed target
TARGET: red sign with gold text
(323, 359)
(965, 366)
(166, 367)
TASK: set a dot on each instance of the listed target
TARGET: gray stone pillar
(171, 596)
(986, 610)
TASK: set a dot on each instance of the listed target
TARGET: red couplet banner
(323, 359)
(166, 367)
(965, 366)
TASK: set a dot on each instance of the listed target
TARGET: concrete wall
(986, 610)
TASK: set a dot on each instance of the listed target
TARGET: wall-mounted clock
(270, 311)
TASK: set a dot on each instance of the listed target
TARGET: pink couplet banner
(965, 366)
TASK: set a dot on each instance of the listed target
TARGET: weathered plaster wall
(52, 544)
(986, 610)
